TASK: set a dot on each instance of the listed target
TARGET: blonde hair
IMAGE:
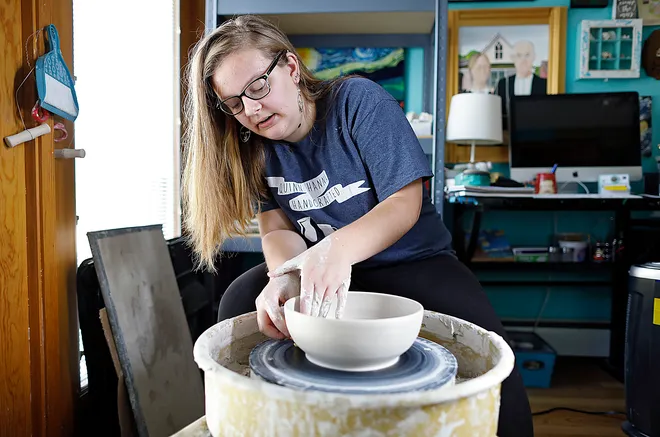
(474, 58)
(223, 178)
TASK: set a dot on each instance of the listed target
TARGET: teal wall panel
(588, 304)
(537, 228)
(414, 77)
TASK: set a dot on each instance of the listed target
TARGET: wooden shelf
(350, 23)
(503, 263)
(340, 17)
(321, 6)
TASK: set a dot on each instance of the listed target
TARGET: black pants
(442, 284)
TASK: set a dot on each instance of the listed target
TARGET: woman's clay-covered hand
(324, 274)
(270, 313)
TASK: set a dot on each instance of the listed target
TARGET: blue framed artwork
(384, 66)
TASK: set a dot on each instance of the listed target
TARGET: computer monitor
(586, 135)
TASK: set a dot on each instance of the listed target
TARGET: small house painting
(499, 50)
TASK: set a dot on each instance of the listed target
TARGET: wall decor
(610, 49)
(649, 12)
(506, 52)
(503, 60)
(651, 55)
(624, 9)
(645, 125)
(384, 66)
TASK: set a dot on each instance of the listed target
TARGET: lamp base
(473, 177)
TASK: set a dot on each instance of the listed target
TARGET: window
(498, 50)
(128, 90)
(126, 64)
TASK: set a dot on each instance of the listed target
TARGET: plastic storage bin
(534, 357)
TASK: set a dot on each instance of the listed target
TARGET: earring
(244, 134)
(300, 101)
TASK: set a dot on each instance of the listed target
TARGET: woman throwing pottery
(334, 174)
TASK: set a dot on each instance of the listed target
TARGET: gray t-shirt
(361, 150)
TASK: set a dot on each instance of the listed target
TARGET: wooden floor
(581, 384)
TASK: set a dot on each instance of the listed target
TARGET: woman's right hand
(270, 312)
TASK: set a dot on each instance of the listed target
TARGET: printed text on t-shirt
(314, 194)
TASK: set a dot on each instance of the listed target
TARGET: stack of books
(488, 191)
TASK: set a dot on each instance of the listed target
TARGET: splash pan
(237, 404)
(425, 366)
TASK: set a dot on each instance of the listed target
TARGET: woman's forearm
(382, 226)
(281, 245)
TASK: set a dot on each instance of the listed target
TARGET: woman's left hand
(324, 273)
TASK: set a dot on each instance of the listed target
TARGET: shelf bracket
(439, 102)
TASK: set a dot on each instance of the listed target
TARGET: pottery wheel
(425, 366)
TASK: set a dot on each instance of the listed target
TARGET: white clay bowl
(371, 335)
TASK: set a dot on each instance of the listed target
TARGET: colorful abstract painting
(645, 127)
(384, 66)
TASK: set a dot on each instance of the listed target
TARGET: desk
(622, 207)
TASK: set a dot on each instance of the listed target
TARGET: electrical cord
(543, 305)
(575, 410)
(584, 187)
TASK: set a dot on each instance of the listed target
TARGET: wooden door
(38, 328)
(39, 370)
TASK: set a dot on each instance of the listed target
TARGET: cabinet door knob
(69, 153)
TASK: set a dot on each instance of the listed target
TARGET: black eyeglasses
(255, 90)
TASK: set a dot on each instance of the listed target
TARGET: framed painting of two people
(508, 52)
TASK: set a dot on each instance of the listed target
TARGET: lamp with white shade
(474, 120)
